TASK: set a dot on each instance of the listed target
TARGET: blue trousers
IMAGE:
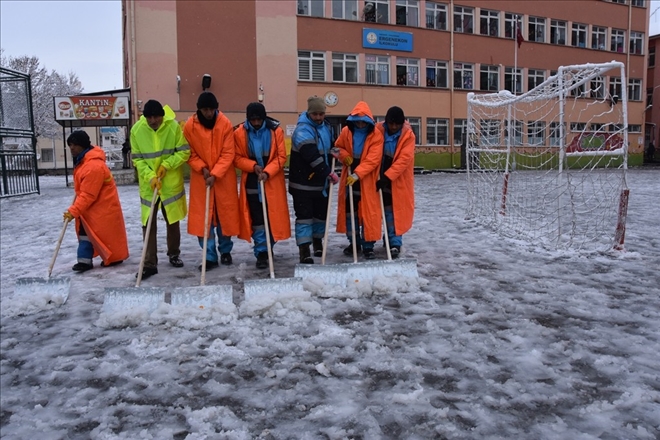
(225, 244)
(395, 240)
(359, 237)
(85, 252)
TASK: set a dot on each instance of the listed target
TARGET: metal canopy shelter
(98, 109)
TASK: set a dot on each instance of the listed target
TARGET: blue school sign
(388, 40)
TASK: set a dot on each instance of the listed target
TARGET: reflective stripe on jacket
(149, 150)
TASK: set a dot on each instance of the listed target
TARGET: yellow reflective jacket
(167, 147)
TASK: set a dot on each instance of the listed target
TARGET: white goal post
(549, 166)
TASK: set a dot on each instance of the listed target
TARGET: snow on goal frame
(549, 166)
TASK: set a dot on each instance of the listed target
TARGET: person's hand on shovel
(155, 183)
(161, 172)
(67, 216)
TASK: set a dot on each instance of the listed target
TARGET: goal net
(549, 166)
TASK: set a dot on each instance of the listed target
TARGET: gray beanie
(315, 105)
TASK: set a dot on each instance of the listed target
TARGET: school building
(424, 56)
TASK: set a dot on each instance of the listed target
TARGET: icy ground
(495, 339)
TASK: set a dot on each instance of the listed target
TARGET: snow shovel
(202, 296)
(368, 270)
(272, 286)
(58, 287)
(54, 287)
(118, 298)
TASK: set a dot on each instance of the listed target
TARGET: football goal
(549, 166)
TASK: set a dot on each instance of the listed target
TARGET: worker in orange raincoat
(96, 208)
(260, 155)
(360, 149)
(397, 177)
(211, 139)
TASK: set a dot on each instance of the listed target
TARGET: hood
(361, 110)
(169, 114)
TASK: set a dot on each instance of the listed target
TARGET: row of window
(345, 68)
(437, 131)
(491, 23)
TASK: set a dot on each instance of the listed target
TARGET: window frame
(533, 129)
(345, 13)
(489, 70)
(460, 14)
(463, 68)
(596, 42)
(491, 20)
(381, 12)
(377, 61)
(437, 66)
(436, 10)
(634, 89)
(618, 40)
(459, 129)
(533, 75)
(579, 30)
(636, 43)
(407, 63)
(312, 59)
(536, 29)
(408, 6)
(509, 73)
(597, 83)
(558, 31)
(309, 4)
(437, 124)
(347, 61)
(416, 127)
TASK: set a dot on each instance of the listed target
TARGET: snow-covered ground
(494, 340)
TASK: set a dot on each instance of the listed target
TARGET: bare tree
(45, 85)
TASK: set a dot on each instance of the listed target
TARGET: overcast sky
(84, 37)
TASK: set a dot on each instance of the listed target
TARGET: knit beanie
(79, 138)
(395, 115)
(207, 100)
(315, 105)
(153, 108)
(255, 110)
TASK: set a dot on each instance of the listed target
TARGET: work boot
(226, 259)
(147, 272)
(305, 254)
(394, 252)
(209, 265)
(82, 267)
(349, 250)
(318, 247)
(262, 260)
(369, 253)
(176, 261)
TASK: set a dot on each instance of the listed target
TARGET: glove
(206, 173)
(258, 169)
(383, 183)
(67, 216)
(333, 178)
(155, 183)
(263, 176)
(350, 180)
(348, 160)
(161, 172)
(334, 152)
(210, 181)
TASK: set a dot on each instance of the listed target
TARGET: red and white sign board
(72, 108)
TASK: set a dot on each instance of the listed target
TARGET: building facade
(424, 56)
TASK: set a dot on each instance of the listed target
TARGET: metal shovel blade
(334, 274)
(54, 287)
(121, 299)
(368, 270)
(202, 296)
(272, 286)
